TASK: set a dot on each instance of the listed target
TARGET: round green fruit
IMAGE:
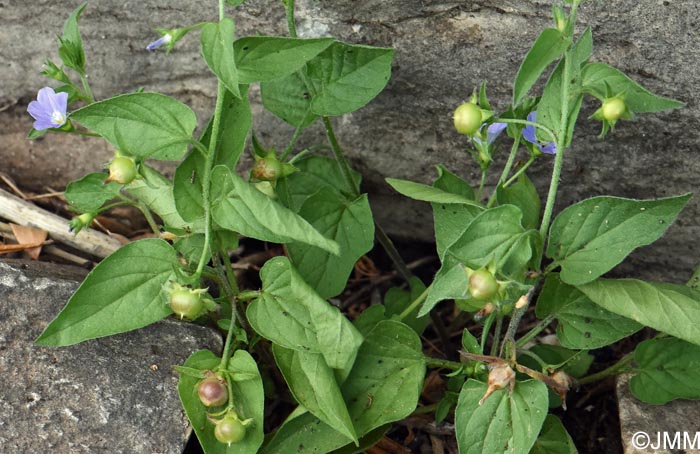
(212, 391)
(229, 430)
(186, 303)
(467, 118)
(482, 285)
(122, 170)
(613, 109)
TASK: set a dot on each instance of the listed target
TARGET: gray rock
(111, 395)
(651, 429)
(444, 49)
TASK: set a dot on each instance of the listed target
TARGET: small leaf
(450, 282)
(145, 125)
(124, 292)
(290, 314)
(248, 398)
(263, 58)
(554, 439)
(592, 236)
(523, 195)
(672, 309)
(71, 50)
(582, 324)
(91, 192)
(549, 46)
(346, 77)
(425, 193)
(314, 386)
(350, 224)
(217, 49)
(289, 99)
(505, 422)
(240, 207)
(451, 219)
(597, 77)
(667, 369)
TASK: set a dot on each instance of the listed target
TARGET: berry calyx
(468, 118)
(122, 170)
(185, 302)
(500, 376)
(268, 168)
(483, 285)
(212, 391)
(613, 109)
(229, 430)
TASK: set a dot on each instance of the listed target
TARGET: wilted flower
(163, 40)
(530, 135)
(49, 110)
(492, 132)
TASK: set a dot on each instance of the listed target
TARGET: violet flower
(163, 40)
(49, 110)
(530, 135)
(492, 132)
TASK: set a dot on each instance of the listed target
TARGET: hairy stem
(616, 369)
(506, 170)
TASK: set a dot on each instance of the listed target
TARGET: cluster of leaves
(353, 379)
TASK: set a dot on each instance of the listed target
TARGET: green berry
(229, 430)
(212, 391)
(185, 302)
(468, 118)
(483, 285)
(613, 109)
(122, 170)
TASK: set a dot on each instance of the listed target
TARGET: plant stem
(289, 6)
(615, 369)
(481, 186)
(537, 329)
(497, 334)
(211, 155)
(229, 273)
(411, 307)
(487, 328)
(149, 217)
(520, 308)
(506, 170)
(426, 409)
(292, 141)
(86, 87)
(227, 346)
(438, 363)
(520, 172)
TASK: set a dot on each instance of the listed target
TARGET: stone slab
(110, 395)
(652, 429)
(444, 49)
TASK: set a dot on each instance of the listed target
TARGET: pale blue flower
(163, 40)
(492, 132)
(530, 135)
(49, 110)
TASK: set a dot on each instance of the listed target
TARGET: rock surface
(444, 49)
(111, 395)
(644, 427)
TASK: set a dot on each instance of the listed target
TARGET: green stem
(481, 185)
(227, 346)
(437, 363)
(86, 87)
(506, 169)
(487, 328)
(426, 409)
(497, 334)
(520, 308)
(411, 307)
(289, 5)
(616, 369)
(537, 329)
(543, 365)
(211, 158)
(149, 217)
(229, 273)
(292, 141)
(520, 171)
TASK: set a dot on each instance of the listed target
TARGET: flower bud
(79, 222)
(501, 375)
(122, 170)
(212, 391)
(229, 429)
(468, 118)
(268, 168)
(483, 285)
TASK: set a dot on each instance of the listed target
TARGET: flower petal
(494, 130)
(43, 123)
(44, 97)
(550, 148)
